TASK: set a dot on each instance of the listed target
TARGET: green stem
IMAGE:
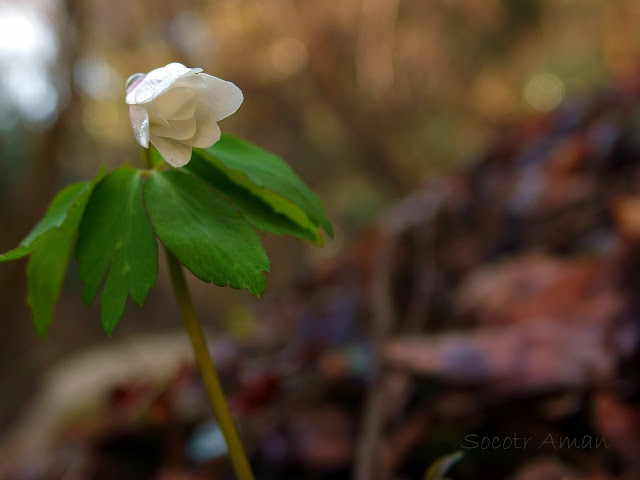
(146, 157)
(208, 371)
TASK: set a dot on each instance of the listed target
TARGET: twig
(368, 462)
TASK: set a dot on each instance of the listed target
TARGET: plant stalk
(208, 371)
(146, 157)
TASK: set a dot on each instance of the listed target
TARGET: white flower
(177, 108)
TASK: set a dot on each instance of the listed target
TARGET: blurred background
(479, 162)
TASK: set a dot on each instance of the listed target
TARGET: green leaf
(47, 267)
(440, 467)
(205, 233)
(268, 177)
(50, 244)
(154, 155)
(258, 212)
(116, 237)
(53, 219)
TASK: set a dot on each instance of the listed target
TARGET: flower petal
(155, 118)
(170, 102)
(140, 124)
(192, 82)
(158, 81)
(174, 152)
(187, 110)
(208, 131)
(223, 97)
(175, 108)
(177, 129)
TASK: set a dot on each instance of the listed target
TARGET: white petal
(158, 81)
(169, 102)
(185, 111)
(154, 114)
(192, 82)
(208, 131)
(177, 129)
(140, 124)
(174, 152)
(223, 97)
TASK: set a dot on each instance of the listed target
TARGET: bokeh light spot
(28, 49)
(32, 92)
(25, 34)
(95, 77)
(544, 91)
(288, 56)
